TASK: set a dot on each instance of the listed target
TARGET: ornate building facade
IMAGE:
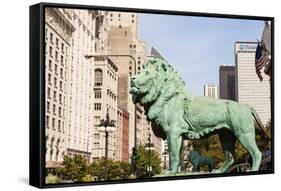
(80, 84)
(80, 90)
(58, 33)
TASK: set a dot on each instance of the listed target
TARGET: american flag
(262, 59)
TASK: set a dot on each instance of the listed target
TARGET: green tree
(209, 147)
(143, 160)
(126, 169)
(116, 169)
(74, 169)
(96, 169)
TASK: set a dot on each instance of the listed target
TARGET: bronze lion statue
(197, 161)
(176, 114)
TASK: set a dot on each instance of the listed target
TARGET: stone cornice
(59, 23)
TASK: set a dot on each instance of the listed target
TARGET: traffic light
(134, 154)
(134, 159)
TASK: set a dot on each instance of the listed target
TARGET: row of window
(111, 95)
(61, 112)
(50, 64)
(119, 15)
(133, 21)
(80, 22)
(99, 77)
(112, 76)
(97, 136)
(55, 82)
(138, 68)
(59, 45)
(132, 46)
(98, 94)
(97, 106)
(97, 144)
(54, 95)
(120, 115)
(54, 148)
(51, 122)
(97, 119)
(62, 60)
(56, 73)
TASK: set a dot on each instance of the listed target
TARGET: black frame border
(37, 93)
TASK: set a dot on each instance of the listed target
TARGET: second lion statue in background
(176, 114)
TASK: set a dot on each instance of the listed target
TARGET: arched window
(51, 148)
(58, 143)
(57, 149)
(46, 143)
(98, 77)
(52, 141)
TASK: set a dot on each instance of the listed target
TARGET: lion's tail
(259, 124)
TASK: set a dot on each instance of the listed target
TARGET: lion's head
(150, 82)
(146, 85)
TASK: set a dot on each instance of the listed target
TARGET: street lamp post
(135, 72)
(106, 126)
(165, 153)
(149, 147)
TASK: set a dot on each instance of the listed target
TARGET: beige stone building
(80, 83)
(58, 33)
(70, 105)
(124, 19)
(105, 81)
(79, 91)
(105, 98)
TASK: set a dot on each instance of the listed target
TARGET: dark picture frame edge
(36, 82)
(37, 93)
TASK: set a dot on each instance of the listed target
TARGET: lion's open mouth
(136, 94)
(135, 98)
(134, 90)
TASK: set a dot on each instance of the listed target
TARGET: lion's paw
(216, 171)
(192, 135)
(168, 173)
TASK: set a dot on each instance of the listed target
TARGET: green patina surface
(197, 161)
(176, 114)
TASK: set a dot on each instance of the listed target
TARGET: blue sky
(197, 46)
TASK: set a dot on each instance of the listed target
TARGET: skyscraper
(249, 89)
(227, 82)
(211, 90)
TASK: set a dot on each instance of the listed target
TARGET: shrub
(51, 179)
